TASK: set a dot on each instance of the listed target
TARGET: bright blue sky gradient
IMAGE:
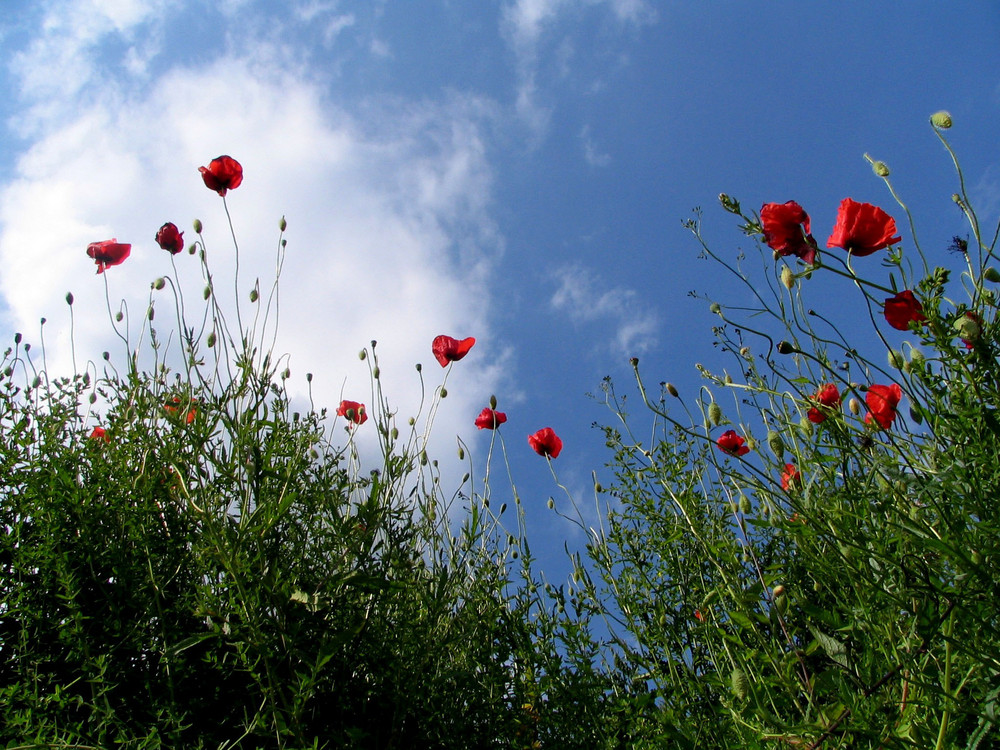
(513, 170)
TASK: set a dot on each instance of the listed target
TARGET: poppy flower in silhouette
(490, 419)
(546, 443)
(446, 349)
(222, 173)
(108, 253)
(731, 443)
(354, 411)
(829, 397)
(862, 228)
(882, 401)
(900, 310)
(170, 239)
(786, 230)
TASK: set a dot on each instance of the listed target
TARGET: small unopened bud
(92, 398)
(36, 381)
(419, 367)
(880, 168)
(991, 274)
(806, 426)
(778, 591)
(776, 444)
(363, 355)
(745, 351)
(207, 293)
(716, 308)
(787, 277)
(895, 358)
(309, 377)
(941, 120)
(394, 433)
(254, 295)
(17, 338)
(634, 361)
(423, 458)
(106, 356)
(957, 198)
(150, 313)
(728, 379)
(376, 372)
(444, 393)
(282, 225)
(916, 357)
(159, 283)
(211, 339)
(672, 390)
(493, 402)
(714, 413)
(192, 249)
(745, 505)
(197, 226)
(551, 503)
(784, 347)
(915, 414)
(968, 328)
(286, 374)
(69, 298)
(598, 487)
(855, 406)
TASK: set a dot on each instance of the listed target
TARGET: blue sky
(514, 170)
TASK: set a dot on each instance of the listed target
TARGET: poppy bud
(493, 402)
(197, 226)
(915, 414)
(282, 225)
(17, 338)
(968, 328)
(192, 248)
(254, 295)
(714, 413)
(423, 458)
(941, 120)
(309, 377)
(991, 274)
(376, 372)
(776, 444)
(207, 293)
(784, 347)
(444, 393)
(210, 341)
(716, 308)
(36, 382)
(159, 283)
(916, 357)
(634, 361)
(69, 298)
(363, 355)
(150, 313)
(787, 277)
(598, 487)
(286, 374)
(745, 504)
(880, 168)
(895, 359)
(394, 433)
(781, 604)
(106, 356)
(551, 503)
(740, 684)
(806, 425)
(854, 405)
(419, 367)
(672, 390)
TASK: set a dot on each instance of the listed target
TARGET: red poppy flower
(882, 401)
(731, 443)
(172, 407)
(699, 616)
(546, 442)
(786, 230)
(902, 309)
(108, 253)
(829, 397)
(490, 419)
(862, 228)
(99, 433)
(447, 349)
(170, 239)
(222, 173)
(790, 477)
(354, 411)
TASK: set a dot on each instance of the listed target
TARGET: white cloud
(591, 153)
(524, 23)
(581, 296)
(389, 228)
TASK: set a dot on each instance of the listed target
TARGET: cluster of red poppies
(446, 350)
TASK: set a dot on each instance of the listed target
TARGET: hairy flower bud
(776, 444)
(787, 277)
(197, 226)
(716, 308)
(254, 295)
(363, 355)
(672, 390)
(745, 505)
(493, 402)
(880, 168)
(714, 413)
(896, 359)
(941, 120)
(444, 393)
(855, 406)
(991, 274)
(282, 225)
(968, 328)
(551, 503)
